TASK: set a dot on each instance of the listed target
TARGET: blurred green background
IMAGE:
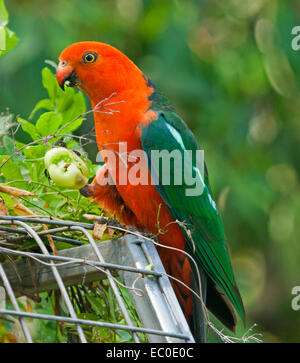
(230, 70)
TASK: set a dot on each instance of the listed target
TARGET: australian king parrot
(134, 125)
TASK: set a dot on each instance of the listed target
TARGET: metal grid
(157, 308)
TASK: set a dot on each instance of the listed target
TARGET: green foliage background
(229, 68)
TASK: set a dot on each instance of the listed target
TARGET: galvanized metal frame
(158, 308)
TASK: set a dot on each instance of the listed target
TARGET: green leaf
(50, 83)
(124, 335)
(10, 170)
(8, 38)
(65, 100)
(19, 144)
(45, 103)
(111, 305)
(48, 123)
(77, 108)
(2, 39)
(34, 151)
(3, 14)
(29, 128)
(88, 316)
(11, 39)
(8, 200)
(96, 304)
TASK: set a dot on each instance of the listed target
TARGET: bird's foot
(85, 191)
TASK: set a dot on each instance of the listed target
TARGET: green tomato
(66, 168)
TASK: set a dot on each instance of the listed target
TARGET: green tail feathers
(205, 238)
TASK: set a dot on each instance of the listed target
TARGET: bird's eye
(89, 57)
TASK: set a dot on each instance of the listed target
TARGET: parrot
(130, 110)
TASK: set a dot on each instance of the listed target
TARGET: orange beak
(66, 75)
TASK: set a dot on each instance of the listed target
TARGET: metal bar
(93, 323)
(158, 309)
(110, 223)
(41, 233)
(70, 241)
(163, 317)
(57, 276)
(45, 221)
(83, 261)
(110, 278)
(14, 303)
(143, 305)
(166, 288)
(11, 230)
(73, 267)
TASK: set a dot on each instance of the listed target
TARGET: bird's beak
(66, 76)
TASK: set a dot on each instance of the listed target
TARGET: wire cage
(159, 312)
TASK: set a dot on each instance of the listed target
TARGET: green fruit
(66, 168)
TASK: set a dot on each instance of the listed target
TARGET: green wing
(200, 214)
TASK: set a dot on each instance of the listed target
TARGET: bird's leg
(85, 191)
(100, 185)
(105, 193)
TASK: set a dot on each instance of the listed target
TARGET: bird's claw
(85, 191)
